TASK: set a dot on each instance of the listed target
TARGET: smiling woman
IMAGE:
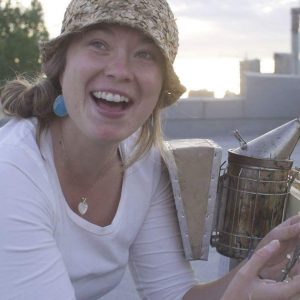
(84, 189)
(89, 142)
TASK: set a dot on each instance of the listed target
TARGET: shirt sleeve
(31, 266)
(156, 260)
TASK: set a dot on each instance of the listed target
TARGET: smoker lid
(278, 143)
(284, 164)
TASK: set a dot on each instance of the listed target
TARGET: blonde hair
(26, 98)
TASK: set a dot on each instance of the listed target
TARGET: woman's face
(112, 81)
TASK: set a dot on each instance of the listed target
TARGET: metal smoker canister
(253, 191)
(256, 191)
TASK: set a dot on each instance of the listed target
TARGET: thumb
(260, 258)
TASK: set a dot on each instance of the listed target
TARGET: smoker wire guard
(218, 230)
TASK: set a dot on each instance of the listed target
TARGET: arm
(156, 257)
(211, 290)
(30, 262)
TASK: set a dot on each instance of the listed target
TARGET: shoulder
(18, 133)
(128, 146)
(18, 142)
(149, 178)
(15, 129)
(24, 181)
(20, 156)
(149, 166)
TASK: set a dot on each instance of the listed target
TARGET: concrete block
(224, 108)
(188, 108)
(272, 96)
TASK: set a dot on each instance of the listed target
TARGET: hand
(246, 284)
(288, 234)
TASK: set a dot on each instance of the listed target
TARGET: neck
(82, 157)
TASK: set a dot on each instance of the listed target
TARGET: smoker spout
(278, 143)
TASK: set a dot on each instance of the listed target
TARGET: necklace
(82, 206)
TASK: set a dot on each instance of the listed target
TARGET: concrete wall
(270, 100)
(271, 96)
(201, 117)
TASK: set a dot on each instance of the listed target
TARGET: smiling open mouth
(110, 100)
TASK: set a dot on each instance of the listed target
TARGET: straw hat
(153, 17)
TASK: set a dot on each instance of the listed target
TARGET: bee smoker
(253, 190)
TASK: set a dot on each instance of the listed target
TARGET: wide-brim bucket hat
(152, 17)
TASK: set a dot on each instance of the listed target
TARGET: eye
(146, 54)
(98, 44)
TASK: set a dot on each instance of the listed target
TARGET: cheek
(69, 84)
(153, 83)
(73, 90)
(75, 67)
(73, 78)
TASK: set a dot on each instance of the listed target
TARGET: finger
(288, 289)
(291, 221)
(260, 258)
(287, 232)
(277, 290)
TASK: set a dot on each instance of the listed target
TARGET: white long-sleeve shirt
(48, 252)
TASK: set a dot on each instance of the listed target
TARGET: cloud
(220, 28)
(234, 27)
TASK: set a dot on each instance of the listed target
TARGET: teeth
(110, 97)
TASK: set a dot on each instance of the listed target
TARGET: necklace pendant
(83, 206)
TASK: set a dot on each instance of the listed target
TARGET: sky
(214, 36)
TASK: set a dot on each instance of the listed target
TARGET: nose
(119, 68)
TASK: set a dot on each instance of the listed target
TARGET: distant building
(201, 93)
(283, 63)
(295, 14)
(230, 94)
(253, 66)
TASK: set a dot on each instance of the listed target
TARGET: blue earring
(59, 106)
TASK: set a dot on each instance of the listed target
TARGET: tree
(21, 31)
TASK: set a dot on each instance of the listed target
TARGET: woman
(83, 190)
